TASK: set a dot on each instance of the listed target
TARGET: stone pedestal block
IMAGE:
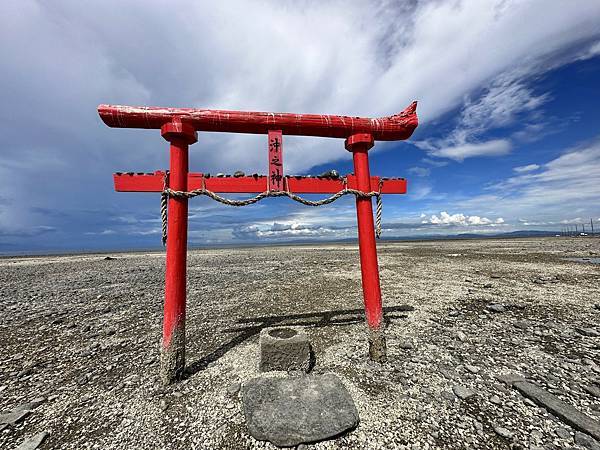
(284, 348)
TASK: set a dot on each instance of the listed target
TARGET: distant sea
(299, 242)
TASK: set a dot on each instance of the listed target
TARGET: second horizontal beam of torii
(155, 182)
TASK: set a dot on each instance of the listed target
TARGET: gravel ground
(80, 339)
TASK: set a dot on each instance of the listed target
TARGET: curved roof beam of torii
(392, 128)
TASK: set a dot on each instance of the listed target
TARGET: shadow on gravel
(316, 320)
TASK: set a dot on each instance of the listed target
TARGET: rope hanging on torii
(168, 192)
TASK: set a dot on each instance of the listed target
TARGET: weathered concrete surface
(84, 332)
(295, 410)
(286, 349)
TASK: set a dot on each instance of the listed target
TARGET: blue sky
(508, 97)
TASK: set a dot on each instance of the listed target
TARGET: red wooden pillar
(359, 145)
(172, 361)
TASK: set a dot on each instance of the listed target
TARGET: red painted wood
(173, 344)
(397, 127)
(275, 160)
(153, 182)
(359, 146)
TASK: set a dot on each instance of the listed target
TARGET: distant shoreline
(71, 252)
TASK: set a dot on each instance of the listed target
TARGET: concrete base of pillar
(172, 358)
(377, 346)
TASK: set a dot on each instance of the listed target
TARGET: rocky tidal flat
(491, 344)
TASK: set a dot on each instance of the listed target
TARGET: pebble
(522, 324)
(448, 396)
(447, 373)
(462, 392)
(589, 332)
(25, 372)
(495, 400)
(503, 432)
(234, 388)
(461, 336)
(563, 433)
(496, 308)
(592, 390)
(406, 344)
(586, 441)
(472, 369)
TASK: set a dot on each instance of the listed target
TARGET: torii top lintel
(392, 128)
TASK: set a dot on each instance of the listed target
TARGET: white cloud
(293, 230)
(504, 101)
(590, 52)
(460, 219)
(494, 147)
(576, 220)
(527, 168)
(419, 191)
(434, 162)
(420, 171)
(565, 186)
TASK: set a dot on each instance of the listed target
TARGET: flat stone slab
(33, 442)
(556, 406)
(298, 410)
(14, 417)
(20, 412)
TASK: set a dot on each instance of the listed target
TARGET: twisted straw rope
(168, 192)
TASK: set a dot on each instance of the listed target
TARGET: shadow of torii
(313, 319)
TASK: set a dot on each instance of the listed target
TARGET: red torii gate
(179, 127)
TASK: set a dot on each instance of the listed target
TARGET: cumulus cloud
(460, 219)
(294, 230)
